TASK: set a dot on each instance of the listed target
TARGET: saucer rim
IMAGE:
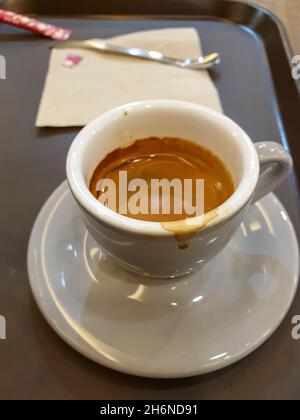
(98, 358)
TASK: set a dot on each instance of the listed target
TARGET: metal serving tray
(257, 91)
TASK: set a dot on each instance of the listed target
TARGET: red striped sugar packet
(34, 25)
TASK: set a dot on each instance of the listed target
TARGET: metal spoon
(199, 63)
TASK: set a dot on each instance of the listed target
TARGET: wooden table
(289, 12)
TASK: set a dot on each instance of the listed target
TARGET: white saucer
(163, 328)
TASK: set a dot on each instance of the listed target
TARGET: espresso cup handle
(275, 164)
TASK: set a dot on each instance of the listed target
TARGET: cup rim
(94, 208)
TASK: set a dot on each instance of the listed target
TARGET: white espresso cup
(149, 248)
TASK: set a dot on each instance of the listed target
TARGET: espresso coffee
(138, 166)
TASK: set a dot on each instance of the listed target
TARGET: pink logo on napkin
(72, 60)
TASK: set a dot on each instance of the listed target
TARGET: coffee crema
(164, 159)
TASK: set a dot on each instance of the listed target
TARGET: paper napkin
(75, 95)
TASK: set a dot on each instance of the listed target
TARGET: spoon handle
(131, 51)
(99, 45)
